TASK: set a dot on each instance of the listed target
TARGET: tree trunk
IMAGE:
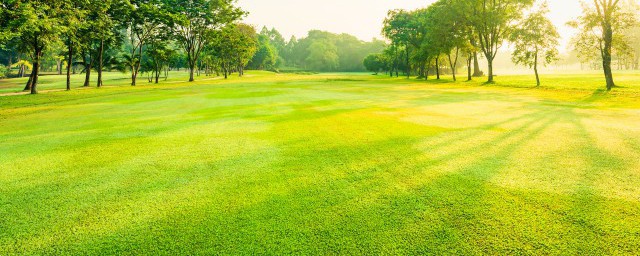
(490, 64)
(69, 64)
(192, 66)
(476, 66)
(10, 63)
(606, 56)
(395, 62)
(426, 75)
(87, 72)
(36, 71)
(535, 69)
(27, 87)
(437, 69)
(469, 75)
(135, 68)
(453, 63)
(133, 76)
(407, 61)
(59, 66)
(100, 57)
(157, 73)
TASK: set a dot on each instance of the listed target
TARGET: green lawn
(321, 164)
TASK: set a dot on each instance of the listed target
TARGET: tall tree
(145, 20)
(233, 47)
(605, 14)
(602, 27)
(39, 23)
(448, 31)
(266, 55)
(107, 19)
(159, 53)
(398, 28)
(246, 45)
(493, 21)
(196, 20)
(535, 40)
(74, 21)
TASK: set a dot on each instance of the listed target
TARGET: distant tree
(233, 48)
(288, 52)
(535, 38)
(265, 57)
(374, 63)
(277, 41)
(323, 56)
(196, 20)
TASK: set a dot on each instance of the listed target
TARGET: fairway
(321, 164)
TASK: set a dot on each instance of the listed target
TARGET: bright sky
(361, 18)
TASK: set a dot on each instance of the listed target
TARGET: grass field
(321, 164)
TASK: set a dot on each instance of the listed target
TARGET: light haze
(361, 18)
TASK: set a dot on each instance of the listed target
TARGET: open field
(321, 164)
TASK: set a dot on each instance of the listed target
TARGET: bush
(4, 72)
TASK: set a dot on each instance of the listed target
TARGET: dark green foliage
(375, 63)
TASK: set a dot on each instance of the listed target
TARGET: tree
(465, 10)
(74, 22)
(246, 45)
(233, 47)
(323, 56)
(145, 20)
(398, 28)
(277, 41)
(195, 20)
(493, 21)
(535, 38)
(107, 19)
(418, 39)
(602, 26)
(39, 23)
(160, 54)
(447, 32)
(265, 57)
(374, 63)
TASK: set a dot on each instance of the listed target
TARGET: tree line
(450, 34)
(152, 37)
(319, 51)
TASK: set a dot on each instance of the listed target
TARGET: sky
(362, 18)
